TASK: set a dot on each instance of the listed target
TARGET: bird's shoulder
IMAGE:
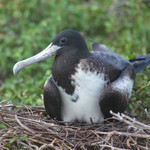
(104, 62)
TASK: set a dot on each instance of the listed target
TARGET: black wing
(120, 72)
(139, 62)
(102, 48)
(52, 100)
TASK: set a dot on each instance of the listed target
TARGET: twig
(44, 133)
(48, 146)
(130, 121)
(124, 134)
(112, 147)
(22, 143)
(22, 125)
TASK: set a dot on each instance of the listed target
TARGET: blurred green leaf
(27, 27)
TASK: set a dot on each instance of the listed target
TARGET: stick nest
(28, 127)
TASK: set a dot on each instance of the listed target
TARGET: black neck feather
(64, 66)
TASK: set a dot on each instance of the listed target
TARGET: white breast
(83, 105)
(124, 85)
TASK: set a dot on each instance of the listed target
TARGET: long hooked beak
(46, 53)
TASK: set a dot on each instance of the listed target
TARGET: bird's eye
(63, 40)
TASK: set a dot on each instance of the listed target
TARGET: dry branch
(29, 127)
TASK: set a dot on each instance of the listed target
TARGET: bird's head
(66, 42)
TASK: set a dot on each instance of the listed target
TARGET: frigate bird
(85, 85)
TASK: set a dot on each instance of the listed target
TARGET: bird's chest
(83, 104)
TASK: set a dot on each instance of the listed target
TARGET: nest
(28, 127)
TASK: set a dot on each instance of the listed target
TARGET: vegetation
(27, 27)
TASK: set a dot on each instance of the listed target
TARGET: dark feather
(139, 62)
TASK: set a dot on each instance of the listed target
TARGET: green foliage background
(27, 27)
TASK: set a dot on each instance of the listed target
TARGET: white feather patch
(85, 107)
(125, 84)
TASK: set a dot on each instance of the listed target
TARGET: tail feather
(140, 62)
